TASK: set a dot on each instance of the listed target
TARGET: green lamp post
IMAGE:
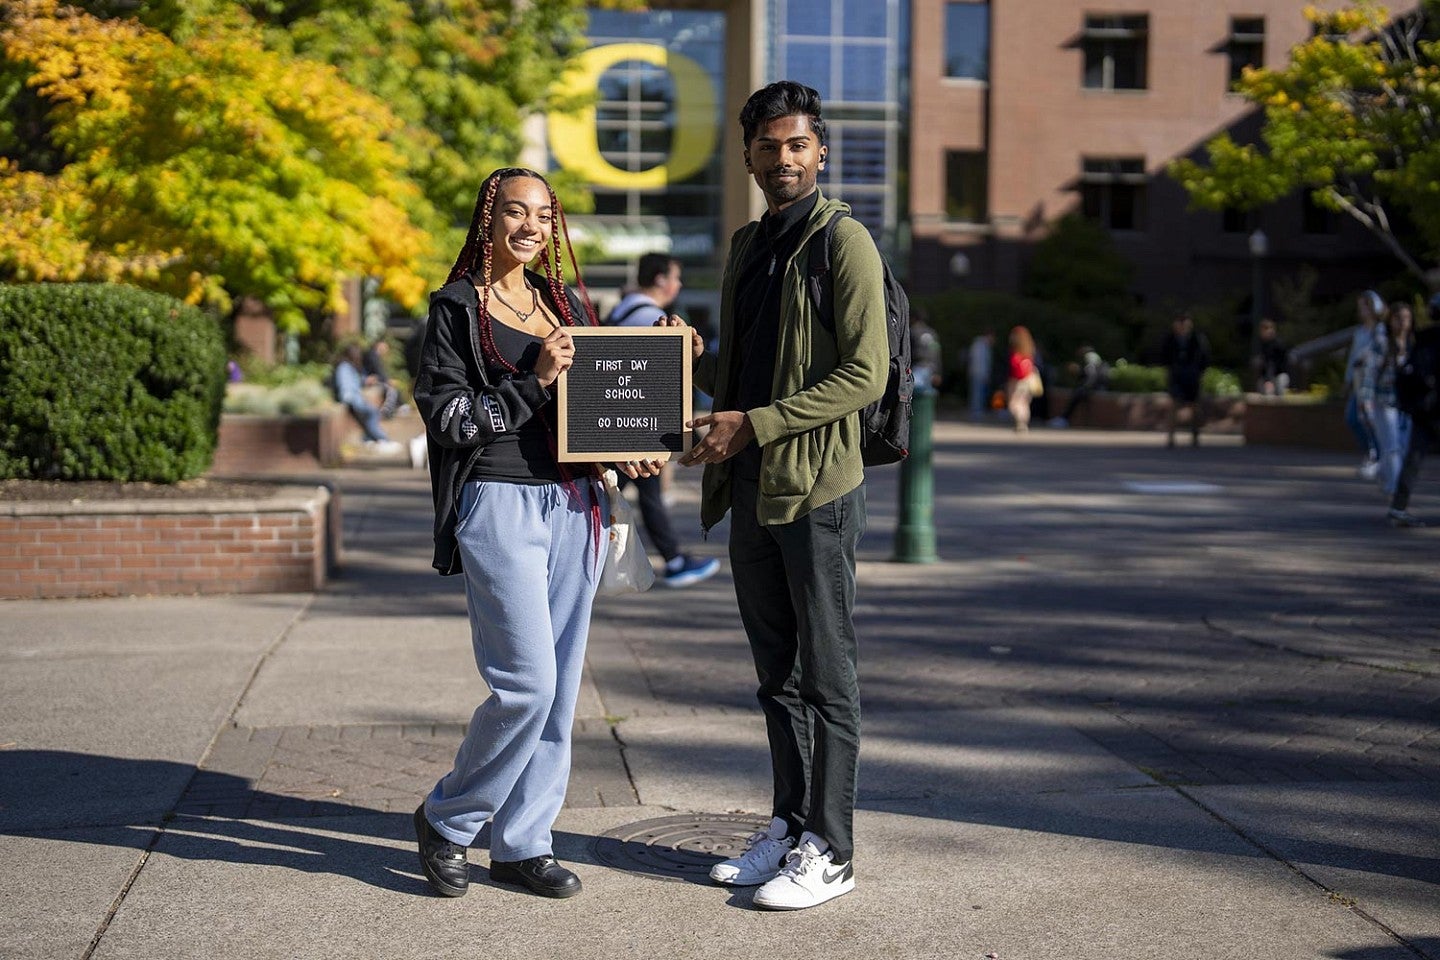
(915, 534)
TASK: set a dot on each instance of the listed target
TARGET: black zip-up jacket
(463, 408)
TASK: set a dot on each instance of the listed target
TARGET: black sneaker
(542, 875)
(444, 863)
(1400, 518)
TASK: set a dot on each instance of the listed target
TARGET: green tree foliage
(1078, 267)
(1354, 118)
(216, 148)
(462, 75)
(106, 382)
(204, 166)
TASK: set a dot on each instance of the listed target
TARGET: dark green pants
(795, 586)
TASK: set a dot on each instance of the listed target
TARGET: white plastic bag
(627, 569)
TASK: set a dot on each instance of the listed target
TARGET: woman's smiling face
(524, 221)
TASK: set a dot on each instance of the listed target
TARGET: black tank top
(526, 455)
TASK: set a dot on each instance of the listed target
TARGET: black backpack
(1417, 380)
(884, 424)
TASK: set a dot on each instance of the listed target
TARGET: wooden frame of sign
(627, 396)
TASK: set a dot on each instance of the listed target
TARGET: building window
(1115, 51)
(967, 40)
(1247, 45)
(967, 187)
(1112, 191)
(1315, 219)
(1235, 220)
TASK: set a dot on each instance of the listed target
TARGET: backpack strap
(817, 273)
(614, 319)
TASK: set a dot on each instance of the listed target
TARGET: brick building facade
(1025, 110)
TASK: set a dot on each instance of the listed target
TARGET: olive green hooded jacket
(809, 434)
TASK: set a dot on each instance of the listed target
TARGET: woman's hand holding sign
(635, 469)
(557, 352)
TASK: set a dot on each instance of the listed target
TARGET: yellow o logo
(574, 137)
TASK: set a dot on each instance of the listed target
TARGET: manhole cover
(677, 848)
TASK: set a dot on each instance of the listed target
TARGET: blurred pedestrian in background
(1417, 390)
(980, 367)
(1092, 373)
(1370, 309)
(1271, 361)
(1389, 349)
(1024, 383)
(377, 374)
(1186, 354)
(926, 360)
(349, 390)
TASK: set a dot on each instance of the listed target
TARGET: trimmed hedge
(106, 382)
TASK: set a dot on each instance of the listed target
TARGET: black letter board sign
(627, 395)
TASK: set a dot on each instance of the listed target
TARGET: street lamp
(1259, 250)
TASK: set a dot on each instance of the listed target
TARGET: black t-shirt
(760, 281)
(526, 455)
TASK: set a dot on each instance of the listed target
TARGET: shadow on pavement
(306, 835)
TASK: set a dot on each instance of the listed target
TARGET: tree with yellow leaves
(1355, 119)
(204, 165)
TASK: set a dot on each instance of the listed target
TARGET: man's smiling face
(785, 157)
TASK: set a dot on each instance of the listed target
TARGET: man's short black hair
(783, 98)
(652, 267)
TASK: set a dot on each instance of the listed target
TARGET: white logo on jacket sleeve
(497, 422)
(459, 407)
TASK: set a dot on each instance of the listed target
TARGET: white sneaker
(809, 878)
(1369, 470)
(387, 447)
(419, 452)
(765, 853)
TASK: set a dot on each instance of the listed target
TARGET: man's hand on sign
(697, 342)
(557, 352)
(635, 469)
(730, 431)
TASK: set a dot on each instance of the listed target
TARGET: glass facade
(651, 148)
(641, 108)
(856, 53)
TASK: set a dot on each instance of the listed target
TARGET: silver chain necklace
(534, 304)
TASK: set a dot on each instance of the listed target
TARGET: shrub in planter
(106, 382)
(1136, 378)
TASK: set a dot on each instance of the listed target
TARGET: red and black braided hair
(475, 260)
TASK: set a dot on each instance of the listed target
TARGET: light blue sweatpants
(530, 576)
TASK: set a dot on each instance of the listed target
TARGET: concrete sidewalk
(1171, 704)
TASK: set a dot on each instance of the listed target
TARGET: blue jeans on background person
(1356, 421)
(979, 396)
(1392, 439)
(368, 418)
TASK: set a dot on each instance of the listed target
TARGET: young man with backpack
(800, 383)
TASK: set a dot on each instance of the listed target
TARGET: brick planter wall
(1290, 423)
(1146, 411)
(250, 444)
(278, 544)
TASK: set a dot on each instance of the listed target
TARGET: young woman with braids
(527, 531)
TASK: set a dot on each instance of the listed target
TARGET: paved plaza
(1151, 703)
